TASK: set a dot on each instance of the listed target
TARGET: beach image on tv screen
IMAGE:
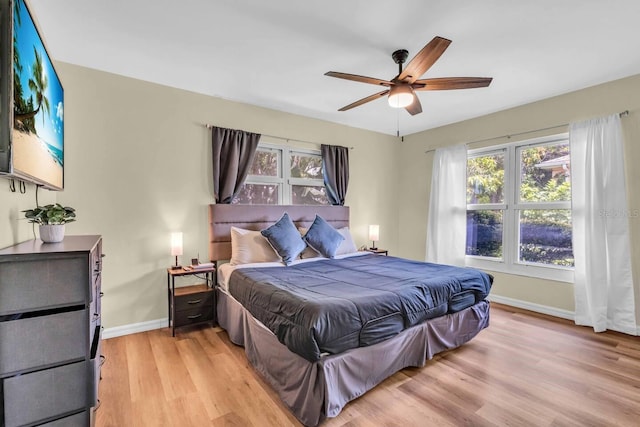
(38, 130)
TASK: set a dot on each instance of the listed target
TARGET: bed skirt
(315, 391)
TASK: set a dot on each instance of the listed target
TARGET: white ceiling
(275, 53)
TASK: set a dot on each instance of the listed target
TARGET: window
(519, 208)
(282, 175)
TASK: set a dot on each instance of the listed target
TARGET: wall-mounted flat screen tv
(32, 115)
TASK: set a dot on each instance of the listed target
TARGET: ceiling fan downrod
(399, 57)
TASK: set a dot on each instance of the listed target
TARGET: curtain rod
(208, 126)
(622, 114)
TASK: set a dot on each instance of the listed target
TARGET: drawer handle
(103, 359)
(101, 294)
(194, 301)
(96, 315)
(195, 316)
(103, 255)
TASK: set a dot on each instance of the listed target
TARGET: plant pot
(52, 233)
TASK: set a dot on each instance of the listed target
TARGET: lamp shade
(176, 244)
(400, 96)
(374, 233)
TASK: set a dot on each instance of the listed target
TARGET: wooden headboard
(257, 217)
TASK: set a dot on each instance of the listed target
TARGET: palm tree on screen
(38, 83)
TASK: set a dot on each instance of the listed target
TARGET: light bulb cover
(176, 244)
(374, 233)
(400, 96)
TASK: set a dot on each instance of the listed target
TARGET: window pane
(484, 233)
(485, 179)
(309, 195)
(257, 194)
(306, 166)
(265, 163)
(545, 237)
(545, 173)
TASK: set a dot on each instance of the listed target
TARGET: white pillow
(346, 247)
(248, 246)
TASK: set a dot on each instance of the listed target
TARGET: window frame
(284, 181)
(511, 208)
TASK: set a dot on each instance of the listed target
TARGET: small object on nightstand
(192, 304)
(378, 251)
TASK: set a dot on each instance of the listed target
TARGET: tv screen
(37, 136)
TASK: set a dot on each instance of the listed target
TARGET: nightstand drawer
(196, 300)
(195, 315)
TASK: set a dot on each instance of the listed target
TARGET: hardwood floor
(526, 369)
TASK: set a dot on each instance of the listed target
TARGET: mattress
(332, 305)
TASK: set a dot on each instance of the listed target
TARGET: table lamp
(176, 248)
(374, 235)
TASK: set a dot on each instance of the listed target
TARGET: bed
(317, 380)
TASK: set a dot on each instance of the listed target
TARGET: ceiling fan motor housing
(400, 56)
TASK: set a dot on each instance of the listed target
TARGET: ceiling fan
(401, 89)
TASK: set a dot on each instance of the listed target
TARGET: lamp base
(176, 267)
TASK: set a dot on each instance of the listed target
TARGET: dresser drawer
(78, 420)
(194, 300)
(35, 284)
(195, 315)
(23, 342)
(46, 394)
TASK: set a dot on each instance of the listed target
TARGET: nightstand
(378, 251)
(190, 305)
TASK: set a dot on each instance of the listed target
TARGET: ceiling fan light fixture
(400, 96)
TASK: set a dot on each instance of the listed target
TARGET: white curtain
(447, 223)
(603, 281)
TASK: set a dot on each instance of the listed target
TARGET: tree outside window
(268, 182)
(519, 204)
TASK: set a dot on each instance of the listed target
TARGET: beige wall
(13, 227)
(138, 166)
(600, 100)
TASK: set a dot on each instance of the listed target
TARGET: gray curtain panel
(233, 153)
(335, 164)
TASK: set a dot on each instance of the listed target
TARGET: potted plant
(51, 219)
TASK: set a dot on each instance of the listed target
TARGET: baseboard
(134, 328)
(544, 309)
(538, 308)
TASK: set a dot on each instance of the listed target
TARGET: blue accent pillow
(285, 239)
(323, 237)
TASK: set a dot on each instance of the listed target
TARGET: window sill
(557, 274)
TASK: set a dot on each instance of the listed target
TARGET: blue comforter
(332, 305)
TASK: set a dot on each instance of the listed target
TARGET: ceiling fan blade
(415, 107)
(356, 78)
(447, 83)
(364, 100)
(423, 60)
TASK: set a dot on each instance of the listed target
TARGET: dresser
(50, 332)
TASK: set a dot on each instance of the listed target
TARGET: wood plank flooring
(526, 369)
